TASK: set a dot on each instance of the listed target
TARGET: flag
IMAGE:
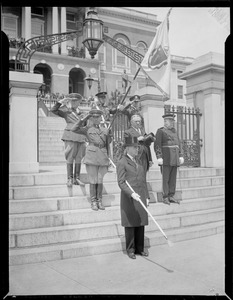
(157, 61)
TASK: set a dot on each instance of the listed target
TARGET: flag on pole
(157, 61)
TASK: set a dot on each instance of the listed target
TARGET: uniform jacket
(144, 153)
(71, 117)
(167, 146)
(132, 212)
(99, 140)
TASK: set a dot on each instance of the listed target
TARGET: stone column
(55, 26)
(63, 29)
(152, 103)
(205, 89)
(23, 122)
(26, 22)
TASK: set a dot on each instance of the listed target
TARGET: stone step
(57, 217)
(46, 190)
(154, 237)
(58, 176)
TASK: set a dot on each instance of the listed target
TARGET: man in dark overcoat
(134, 218)
(96, 157)
(75, 144)
(168, 151)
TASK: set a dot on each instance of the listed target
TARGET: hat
(96, 112)
(134, 98)
(74, 97)
(168, 116)
(131, 141)
(101, 94)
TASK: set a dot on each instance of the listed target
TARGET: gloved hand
(147, 202)
(63, 101)
(181, 159)
(120, 107)
(160, 161)
(140, 138)
(135, 196)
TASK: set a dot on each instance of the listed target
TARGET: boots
(93, 196)
(69, 174)
(77, 170)
(99, 195)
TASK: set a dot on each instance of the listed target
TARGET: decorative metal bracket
(132, 54)
(29, 47)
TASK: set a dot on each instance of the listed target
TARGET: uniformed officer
(133, 215)
(75, 144)
(136, 130)
(132, 108)
(168, 151)
(96, 157)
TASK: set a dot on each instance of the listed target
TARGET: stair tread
(103, 241)
(104, 223)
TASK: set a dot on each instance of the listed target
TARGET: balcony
(76, 52)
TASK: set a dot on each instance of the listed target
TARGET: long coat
(144, 153)
(71, 117)
(97, 149)
(167, 146)
(132, 212)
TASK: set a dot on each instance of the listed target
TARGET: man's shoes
(132, 255)
(69, 182)
(166, 201)
(143, 253)
(173, 200)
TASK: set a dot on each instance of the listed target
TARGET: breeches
(169, 180)
(74, 151)
(96, 173)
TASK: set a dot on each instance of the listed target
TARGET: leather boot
(69, 174)
(99, 196)
(93, 196)
(77, 170)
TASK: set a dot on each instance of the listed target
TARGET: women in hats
(168, 151)
(75, 144)
(96, 157)
(133, 215)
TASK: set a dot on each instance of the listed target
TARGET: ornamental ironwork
(187, 124)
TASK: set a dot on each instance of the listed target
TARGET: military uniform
(133, 215)
(96, 156)
(167, 146)
(75, 144)
(130, 110)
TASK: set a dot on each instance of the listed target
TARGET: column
(63, 29)
(26, 22)
(23, 122)
(55, 27)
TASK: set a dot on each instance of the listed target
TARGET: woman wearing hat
(168, 151)
(96, 157)
(133, 216)
(75, 144)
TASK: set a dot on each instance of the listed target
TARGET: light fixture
(89, 81)
(92, 32)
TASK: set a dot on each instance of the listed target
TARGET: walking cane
(143, 205)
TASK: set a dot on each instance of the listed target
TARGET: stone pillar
(26, 22)
(63, 29)
(55, 27)
(205, 89)
(152, 103)
(23, 122)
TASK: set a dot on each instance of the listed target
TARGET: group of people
(87, 139)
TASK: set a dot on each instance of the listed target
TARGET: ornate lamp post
(90, 80)
(92, 32)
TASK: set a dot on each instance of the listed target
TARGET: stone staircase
(49, 221)
(51, 147)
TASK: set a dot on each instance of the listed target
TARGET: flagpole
(136, 74)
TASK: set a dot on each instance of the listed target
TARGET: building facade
(64, 66)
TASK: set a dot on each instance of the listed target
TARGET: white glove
(160, 161)
(140, 138)
(120, 107)
(181, 159)
(135, 196)
(147, 202)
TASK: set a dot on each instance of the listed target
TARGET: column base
(24, 167)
